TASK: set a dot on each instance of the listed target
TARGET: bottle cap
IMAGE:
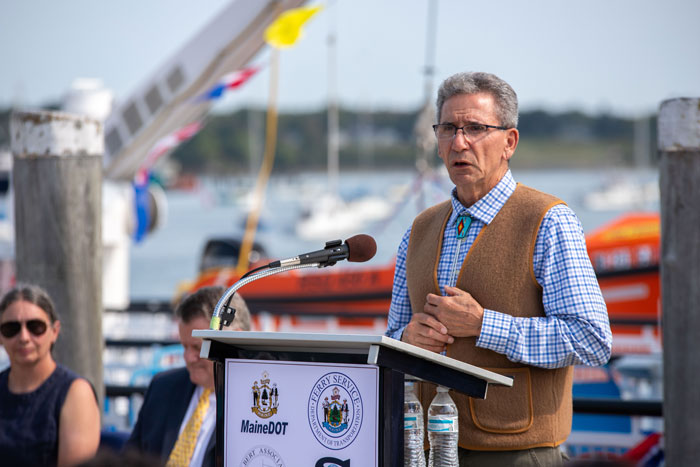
(442, 389)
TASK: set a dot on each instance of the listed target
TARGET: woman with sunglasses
(48, 414)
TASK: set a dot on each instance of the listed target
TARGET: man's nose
(459, 140)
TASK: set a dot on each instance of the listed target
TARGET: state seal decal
(335, 410)
(265, 397)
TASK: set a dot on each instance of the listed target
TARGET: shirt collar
(487, 207)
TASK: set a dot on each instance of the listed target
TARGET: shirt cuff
(495, 329)
(397, 334)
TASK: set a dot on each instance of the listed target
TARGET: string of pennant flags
(284, 32)
(229, 82)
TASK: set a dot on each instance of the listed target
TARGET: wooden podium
(290, 399)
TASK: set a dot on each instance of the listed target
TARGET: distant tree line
(234, 142)
(385, 140)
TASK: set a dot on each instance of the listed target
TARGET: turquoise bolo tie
(461, 228)
(463, 223)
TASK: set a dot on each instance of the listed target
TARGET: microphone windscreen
(361, 248)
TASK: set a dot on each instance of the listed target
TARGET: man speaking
(498, 276)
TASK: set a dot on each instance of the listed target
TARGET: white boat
(332, 217)
(622, 194)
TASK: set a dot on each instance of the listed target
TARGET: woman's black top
(29, 422)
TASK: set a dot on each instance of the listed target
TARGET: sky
(618, 56)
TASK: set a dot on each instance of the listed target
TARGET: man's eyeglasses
(11, 328)
(447, 131)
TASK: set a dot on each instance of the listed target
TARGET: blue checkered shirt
(576, 328)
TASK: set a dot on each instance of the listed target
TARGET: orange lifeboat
(349, 291)
(347, 298)
(625, 255)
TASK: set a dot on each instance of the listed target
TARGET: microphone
(358, 249)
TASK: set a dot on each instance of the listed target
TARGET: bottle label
(410, 422)
(443, 423)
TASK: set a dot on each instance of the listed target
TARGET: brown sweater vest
(498, 273)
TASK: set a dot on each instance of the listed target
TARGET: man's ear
(512, 138)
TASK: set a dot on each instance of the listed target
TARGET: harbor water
(219, 206)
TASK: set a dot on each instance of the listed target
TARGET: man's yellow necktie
(184, 447)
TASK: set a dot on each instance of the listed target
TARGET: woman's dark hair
(32, 294)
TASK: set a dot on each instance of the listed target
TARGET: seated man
(179, 408)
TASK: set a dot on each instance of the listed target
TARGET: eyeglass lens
(447, 130)
(11, 328)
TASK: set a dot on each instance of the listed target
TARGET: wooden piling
(57, 181)
(679, 152)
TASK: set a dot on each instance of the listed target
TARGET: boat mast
(642, 154)
(333, 125)
(425, 140)
(430, 42)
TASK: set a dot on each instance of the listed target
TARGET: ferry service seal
(335, 410)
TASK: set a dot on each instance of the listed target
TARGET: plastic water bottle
(413, 433)
(443, 430)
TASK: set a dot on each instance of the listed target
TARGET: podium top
(339, 343)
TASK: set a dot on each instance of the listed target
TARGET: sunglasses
(11, 328)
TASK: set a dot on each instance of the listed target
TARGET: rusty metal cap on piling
(48, 133)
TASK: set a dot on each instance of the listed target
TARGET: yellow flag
(286, 30)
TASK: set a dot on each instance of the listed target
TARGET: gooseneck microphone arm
(358, 248)
(217, 322)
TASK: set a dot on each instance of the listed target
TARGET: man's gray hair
(475, 82)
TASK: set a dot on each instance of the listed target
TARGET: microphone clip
(227, 316)
(332, 259)
(333, 243)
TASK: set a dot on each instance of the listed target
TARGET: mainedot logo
(262, 456)
(335, 410)
(265, 397)
(265, 405)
